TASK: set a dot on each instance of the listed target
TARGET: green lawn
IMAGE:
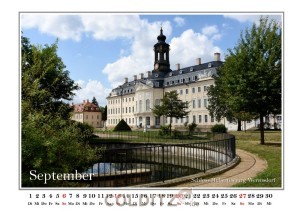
(271, 152)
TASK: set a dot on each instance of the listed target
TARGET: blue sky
(99, 50)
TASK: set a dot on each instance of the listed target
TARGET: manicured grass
(271, 152)
(152, 136)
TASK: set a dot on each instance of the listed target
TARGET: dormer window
(191, 69)
(180, 72)
(209, 65)
(170, 74)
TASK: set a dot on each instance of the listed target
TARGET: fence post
(226, 146)
(163, 163)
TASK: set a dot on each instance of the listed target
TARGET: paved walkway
(249, 166)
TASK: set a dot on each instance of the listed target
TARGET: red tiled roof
(85, 106)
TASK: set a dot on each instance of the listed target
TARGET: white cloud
(61, 26)
(179, 21)
(251, 18)
(92, 88)
(141, 35)
(141, 56)
(109, 27)
(189, 46)
(209, 30)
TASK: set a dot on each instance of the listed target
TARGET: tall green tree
(171, 106)
(51, 142)
(45, 82)
(250, 78)
(95, 102)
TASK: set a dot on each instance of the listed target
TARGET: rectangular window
(212, 119)
(205, 119)
(181, 92)
(187, 119)
(133, 109)
(157, 121)
(97, 116)
(199, 103)
(205, 103)
(205, 88)
(86, 117)
(194, 103)
(186, 91)
(129, 109)
(194, 119)
(193, 90)
(200, 118)
(199, 89)
(181, 120)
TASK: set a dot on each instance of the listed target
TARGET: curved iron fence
(127, 164)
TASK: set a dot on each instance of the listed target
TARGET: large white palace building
(133, 100)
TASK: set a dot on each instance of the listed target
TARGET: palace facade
(133, 100)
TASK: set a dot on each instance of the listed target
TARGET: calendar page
(145, 106)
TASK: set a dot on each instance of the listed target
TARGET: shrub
(122, 126)
(164, 130)
(177, 134)
(192, 127)
(219, 128)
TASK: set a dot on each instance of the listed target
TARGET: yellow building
(87, 112)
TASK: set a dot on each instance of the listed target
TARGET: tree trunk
(170, 126)
(239, 125)
(245, 126)
(261, 127)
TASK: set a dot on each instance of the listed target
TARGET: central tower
(161, 54)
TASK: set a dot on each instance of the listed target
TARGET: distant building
(87, 112)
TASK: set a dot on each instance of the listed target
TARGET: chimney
(178, 66)
(148, 74)
(125, 79)
(217, 56)
(141, 76)
(87, 101)
(134, 77)
(198, 61)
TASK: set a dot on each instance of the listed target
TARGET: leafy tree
(95, 102)
(250, 78)
(51, 142)
(45, 83)
(171, 106)
(104, 112)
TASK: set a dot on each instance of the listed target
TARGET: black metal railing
(127, 164)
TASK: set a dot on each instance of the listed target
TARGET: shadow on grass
(276, 144)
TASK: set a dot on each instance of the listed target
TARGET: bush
(177, 134)
(122, 126)
(164, 130)
(219, 128)
(192, 127)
